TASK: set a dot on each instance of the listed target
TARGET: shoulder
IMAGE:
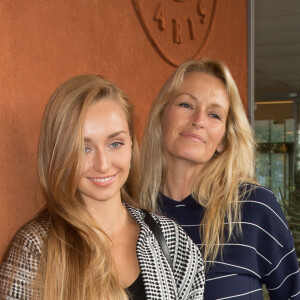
(172, 231)
(261, 209)
(188, 270)
(20, 261)
(187, 259)
(175, 236)
(165, 222)
(261, 200)
(177, 239)
(31, 236)
(257, 192)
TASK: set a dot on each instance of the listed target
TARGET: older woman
(91, 241)
(198, 168)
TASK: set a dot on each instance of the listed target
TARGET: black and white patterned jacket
(185, 282)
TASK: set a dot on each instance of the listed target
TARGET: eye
(215, 116)
(87, 149)
(116, 145)
(185, 105)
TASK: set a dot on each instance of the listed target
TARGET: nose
(198, 119)
(102, 162)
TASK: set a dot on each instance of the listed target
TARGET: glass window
(274, 102)
(274, 133)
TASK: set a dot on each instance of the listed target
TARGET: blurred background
(276, 107)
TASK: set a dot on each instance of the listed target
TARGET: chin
(192, 159)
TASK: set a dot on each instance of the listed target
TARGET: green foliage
(291, 209)
(265, 293)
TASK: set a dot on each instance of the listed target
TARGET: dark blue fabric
(264, 253)
(136, 290)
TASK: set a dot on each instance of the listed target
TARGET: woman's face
(194, 121)
(107, 152)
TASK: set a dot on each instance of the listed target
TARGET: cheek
(219, 135)
(123, 159)
(170, 122)
(167, 136)
(87, 164)
(165, 128)
(127, 160)
(165, 123)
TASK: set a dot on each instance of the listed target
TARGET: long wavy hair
(76, 261)
(217, 186)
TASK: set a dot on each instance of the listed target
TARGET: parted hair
(217, 186)
(76, 261)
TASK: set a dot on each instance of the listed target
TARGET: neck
(179, 179)
(110, 216)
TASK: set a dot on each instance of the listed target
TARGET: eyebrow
(110, 136)
(188, 94)
(195, 98)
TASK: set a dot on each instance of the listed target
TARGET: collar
(189, 201)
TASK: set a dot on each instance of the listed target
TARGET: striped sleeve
(281, 274)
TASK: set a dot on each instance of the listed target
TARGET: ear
(220, 147)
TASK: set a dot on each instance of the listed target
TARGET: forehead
(201, 86)
(105, 115)
(197, 80)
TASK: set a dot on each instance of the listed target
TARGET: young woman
(201, 173)
(90, 241)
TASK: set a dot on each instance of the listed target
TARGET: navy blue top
(136, 290)
(263, 254)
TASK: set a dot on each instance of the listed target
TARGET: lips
(194, 137)
(102, 181)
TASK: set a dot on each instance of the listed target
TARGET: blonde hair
(76, 260)
(217, 187)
